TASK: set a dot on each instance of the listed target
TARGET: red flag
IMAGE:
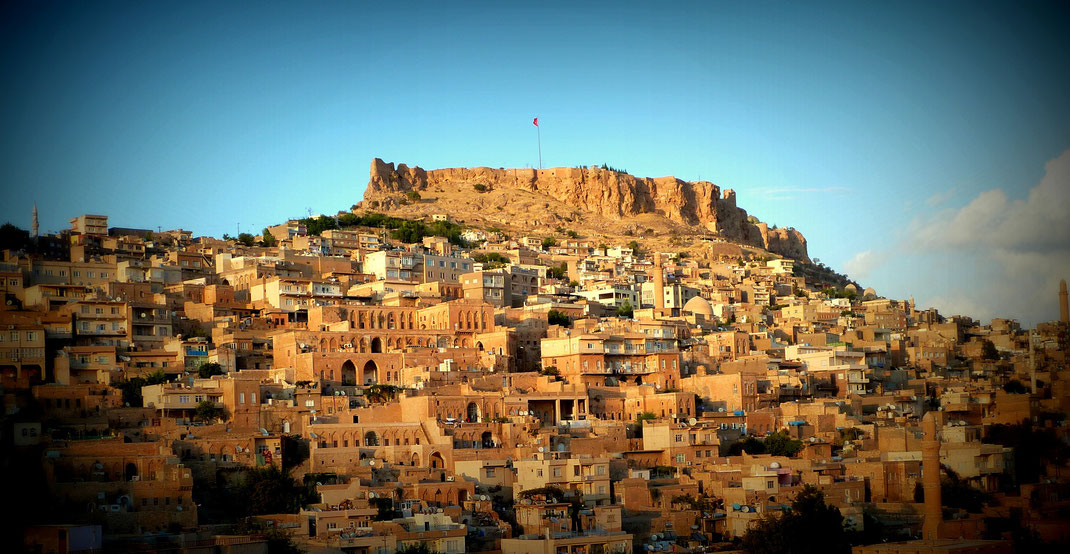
(536, 121)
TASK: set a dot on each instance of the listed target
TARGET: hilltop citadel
(559, 361)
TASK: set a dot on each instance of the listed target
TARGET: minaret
(34, 226)
(1064, 309)
(659, 283)
(930, 478)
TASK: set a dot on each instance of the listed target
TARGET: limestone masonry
(604, 192)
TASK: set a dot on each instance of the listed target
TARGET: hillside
(593, 202)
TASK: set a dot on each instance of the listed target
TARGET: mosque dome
(699, 305)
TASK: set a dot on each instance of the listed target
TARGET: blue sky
(856, 124)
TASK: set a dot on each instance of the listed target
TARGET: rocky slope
(611, 195)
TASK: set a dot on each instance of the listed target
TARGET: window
(490, 472)
(241, 397)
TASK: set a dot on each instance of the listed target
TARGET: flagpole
(538, 131)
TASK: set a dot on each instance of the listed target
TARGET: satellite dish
(541, 449)
(692, 421)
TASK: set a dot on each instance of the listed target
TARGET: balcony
(103, 332)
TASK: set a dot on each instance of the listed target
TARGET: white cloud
(1037, 223)
(1004, 256)
(862, 265)
(940, 198)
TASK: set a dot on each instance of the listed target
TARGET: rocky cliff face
(607, 193)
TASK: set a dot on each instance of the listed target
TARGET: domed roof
(698, 305)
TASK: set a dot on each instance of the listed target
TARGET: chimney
(930, 469)
(1064, 309)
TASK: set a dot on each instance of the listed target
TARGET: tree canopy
(555, 317)
(208, 369)
(810, 525)
(267, 239)
(208, 411)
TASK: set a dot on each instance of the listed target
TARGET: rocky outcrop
(609, 193)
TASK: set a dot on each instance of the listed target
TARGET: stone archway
(487, 439)
(377, 345)
(371, 439)
(370, 374)
(436, 461)
(349, 373)
(472, 413)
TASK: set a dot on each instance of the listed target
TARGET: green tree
(750, 445)
(268, 238)
(1034, 449)
(548, 243)
(272, 491)
(557, 271)
(412, 196)
(246, 239)
(13, 238)
(480, 187)
(207, 411)
(208, 369)
(1015, 386)
(131, 388)
(988, 350)
(634, 246)
(550, 370)
(316, 225)
(811, 526)
(780, 444)
(625, 310)
(294, 451)
(556, 317)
